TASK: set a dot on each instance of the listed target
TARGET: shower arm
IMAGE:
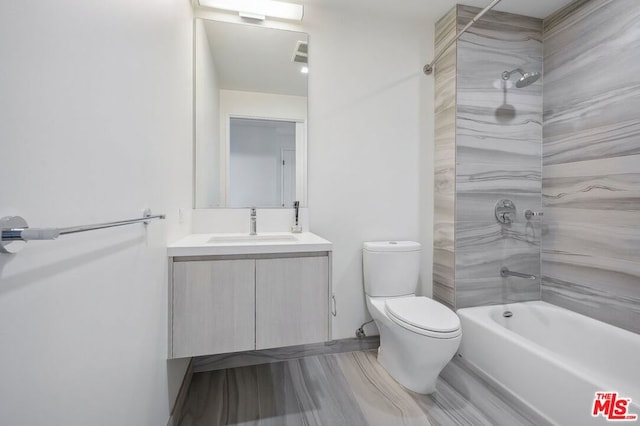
(428, 69)
(507, 74)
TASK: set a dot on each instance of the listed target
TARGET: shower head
(526, 79)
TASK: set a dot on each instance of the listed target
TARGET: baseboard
(267, 356)
(176, 410)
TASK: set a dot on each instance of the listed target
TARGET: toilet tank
(391, 268)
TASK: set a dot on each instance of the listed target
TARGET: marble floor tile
(266, 356)
(342, 389)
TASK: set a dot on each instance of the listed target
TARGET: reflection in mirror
(250, 116)
(262, 152)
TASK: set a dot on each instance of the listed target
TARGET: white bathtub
(552, 359)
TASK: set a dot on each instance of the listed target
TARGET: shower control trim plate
(505, 211)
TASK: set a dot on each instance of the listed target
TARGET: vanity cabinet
(292, 301)
(213, 307)
(222, 304)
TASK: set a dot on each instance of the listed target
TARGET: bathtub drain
(507, 314)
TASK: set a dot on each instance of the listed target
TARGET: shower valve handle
(529, 214)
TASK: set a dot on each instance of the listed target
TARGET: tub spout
(505, 272)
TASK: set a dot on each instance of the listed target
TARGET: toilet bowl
(418, 336)
(414, 355)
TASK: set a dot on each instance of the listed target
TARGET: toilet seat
(423, 316)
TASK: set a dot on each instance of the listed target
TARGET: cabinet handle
(334, 305)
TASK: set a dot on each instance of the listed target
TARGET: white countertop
(263, 243)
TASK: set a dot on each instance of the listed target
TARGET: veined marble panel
(445, 70)
(605, 306)
(445, 81)
(598, 233)
(610, 140)
(606, 184)
(488, 146)
(592, 113)
(591, 81)
(445, 29)
(495, 291)
(493, 102)
(503, 178)
(444, 179)
(444, 276)
(498, 151)
(444, 168)
(443, 233)
(487, 264)
(444, 207)
(562, 17)
(591, 157)
(501, 22)
(513, 147)
(600, 274)
(493, 236)
(497, 42)
(445, 137)
(488, 108)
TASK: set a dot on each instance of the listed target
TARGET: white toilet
(418, 336)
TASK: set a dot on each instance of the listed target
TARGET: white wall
(207, 122)
(365, 87)
(95, 125)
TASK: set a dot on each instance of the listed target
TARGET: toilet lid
(424, 313)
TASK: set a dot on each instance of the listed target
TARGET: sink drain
(507, 314)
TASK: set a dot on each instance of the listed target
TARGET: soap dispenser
(296, 228)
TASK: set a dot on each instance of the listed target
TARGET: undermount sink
(264, 238)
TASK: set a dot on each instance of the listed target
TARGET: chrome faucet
(252, 221)
(505, 272)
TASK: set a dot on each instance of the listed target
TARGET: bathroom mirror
(250, 102)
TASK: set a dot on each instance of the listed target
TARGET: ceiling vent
(301, 52)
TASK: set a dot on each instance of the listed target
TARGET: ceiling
(432, 10)
(256, 59)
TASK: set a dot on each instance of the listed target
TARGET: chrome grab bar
(15, 228)
(505, 272)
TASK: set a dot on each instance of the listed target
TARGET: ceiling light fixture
(258, 9)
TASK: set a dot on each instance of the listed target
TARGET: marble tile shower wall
(445, 163)
(494, 146)
(498, 150)
(591, 160)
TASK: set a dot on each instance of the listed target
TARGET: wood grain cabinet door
(292, 301)
(213, 307)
